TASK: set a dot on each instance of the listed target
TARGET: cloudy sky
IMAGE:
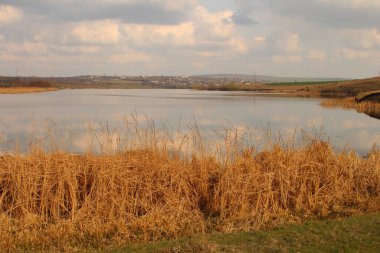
(313, 38)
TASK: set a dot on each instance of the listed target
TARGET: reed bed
(367, 107)
(342, 103)
(61, 201)
(19, 90)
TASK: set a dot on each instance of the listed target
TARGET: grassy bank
(19, 90)
(354, 234)
(150, 192)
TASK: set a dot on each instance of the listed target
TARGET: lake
(70, 111)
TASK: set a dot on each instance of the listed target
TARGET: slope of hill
(350, 88)
(264, 78)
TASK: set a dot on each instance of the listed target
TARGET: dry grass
(66, 202)
(343, 103)
(19, 90)
(368, 107)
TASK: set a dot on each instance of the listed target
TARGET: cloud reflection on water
(71, 111)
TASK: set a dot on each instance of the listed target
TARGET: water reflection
(69, 112)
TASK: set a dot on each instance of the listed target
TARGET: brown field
(68, 202)
(19, 90)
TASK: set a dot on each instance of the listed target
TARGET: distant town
(177, 82)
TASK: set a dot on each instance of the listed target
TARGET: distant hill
(269, 79)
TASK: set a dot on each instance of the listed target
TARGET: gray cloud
(242, 19)
(243, 14)
(130, 12)
(328, 13)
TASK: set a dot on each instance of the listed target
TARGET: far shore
(20, 90)
(329, 89)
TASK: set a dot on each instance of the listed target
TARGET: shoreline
(23, 90)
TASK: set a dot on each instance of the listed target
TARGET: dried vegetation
(19, 90)
(367, 107)
(60, 201)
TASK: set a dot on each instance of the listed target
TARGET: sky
(313, 38)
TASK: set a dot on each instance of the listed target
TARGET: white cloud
(291, 43)
(145, 35)
(216, 30)
(371, 39)
(317, 55)
(7, 57)
(87, 49)
(12, 49)
(178, 5)
(9, 14)
(204, 31)
(213, 25)
(203, 36)
(282, 42)
(353, 54)
(257, 43)
(238, 45)
(280, 59)
(192, 37)
(259, 39)
(96, 32)
(361, 38)
(129, 57)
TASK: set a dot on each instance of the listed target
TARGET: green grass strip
(354, 234)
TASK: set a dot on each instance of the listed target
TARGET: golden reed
(18, 90)
(368, 107)
(61, 201)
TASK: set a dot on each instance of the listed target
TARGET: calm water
(27, 114)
